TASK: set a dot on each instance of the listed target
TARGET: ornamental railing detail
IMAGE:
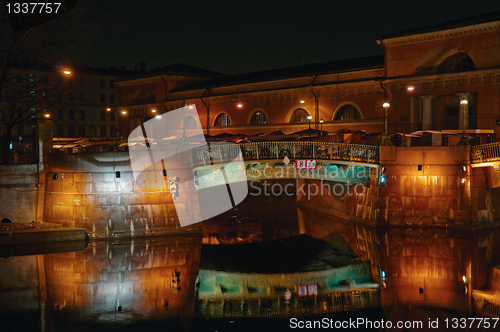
(485, 153)
(220, 152)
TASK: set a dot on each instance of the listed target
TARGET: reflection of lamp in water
(288, 296)
(466, 289)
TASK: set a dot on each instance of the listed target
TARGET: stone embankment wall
(18, 192)
(89, 194)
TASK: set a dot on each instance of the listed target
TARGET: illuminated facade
(424, 74)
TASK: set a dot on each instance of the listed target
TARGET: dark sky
(249, 35)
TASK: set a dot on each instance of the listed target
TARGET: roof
(334, 67)
(479, 19)
(176, 69)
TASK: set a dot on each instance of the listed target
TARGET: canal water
(259, 267)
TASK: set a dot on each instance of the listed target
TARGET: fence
(485, 153)
(278, 150)
(21, 150)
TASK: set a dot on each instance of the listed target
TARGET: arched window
(456, 63)
(348, 112)
(299, 115)
(222, 120)
(191, 122)
(258, 118)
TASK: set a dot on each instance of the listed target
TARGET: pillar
(427, 112)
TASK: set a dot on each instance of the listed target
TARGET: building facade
(426, 75)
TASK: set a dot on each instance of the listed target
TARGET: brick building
(426, 75)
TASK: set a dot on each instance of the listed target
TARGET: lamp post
(464, 138)
(309, 118)
(321, 123)
(386, 140)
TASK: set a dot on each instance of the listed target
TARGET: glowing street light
(410, 88)
(108, 109)
(302, 101)
(153, 111)
(464, 138)
(66, 72)
(386, 140)
(124, 112)
(240, 105)
(47, 115)
(309, 118)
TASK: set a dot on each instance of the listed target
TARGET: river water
(224, 278)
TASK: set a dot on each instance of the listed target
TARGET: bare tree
(31, 78)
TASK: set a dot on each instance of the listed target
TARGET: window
(103, 98)
(81, 131)
(60, 114)
(72, 131)
(222, 120)
(82, 97)
(111, 84)
(111, 98)
(80, 81)
(33, 112)
(103, 131)
(191, 123)
(299, 115)
(348, 112)
(70, 96)
(103, 116)
(60, 130)
(101, 83)
(456, 63)
(113, 131)
(71, 115)
(113, 116)
(258, 118)
(32, 78)
(82, 115)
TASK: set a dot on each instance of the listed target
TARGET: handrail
(485, 153)
(223, 152)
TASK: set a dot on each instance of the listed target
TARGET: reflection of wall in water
(123, 281)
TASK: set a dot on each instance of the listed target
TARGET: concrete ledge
(42, 236)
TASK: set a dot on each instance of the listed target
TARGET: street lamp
(321, 123)
(309, 118)
(386, 140)
(464, 138)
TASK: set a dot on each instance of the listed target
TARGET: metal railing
(487, 308)
(293, 150)
(485, 153)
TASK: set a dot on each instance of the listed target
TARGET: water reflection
(176, 282)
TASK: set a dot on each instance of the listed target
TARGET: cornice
(442, 34)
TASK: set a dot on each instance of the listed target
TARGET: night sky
(242, 36)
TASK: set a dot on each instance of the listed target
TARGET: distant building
(89, 106)
(437, 79)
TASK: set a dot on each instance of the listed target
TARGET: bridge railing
(485, 153)
(220, 152)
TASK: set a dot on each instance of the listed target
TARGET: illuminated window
(348, 112)
(299, 115)
(223, 120)
(258, 118)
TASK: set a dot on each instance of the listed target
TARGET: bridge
(338, 162)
